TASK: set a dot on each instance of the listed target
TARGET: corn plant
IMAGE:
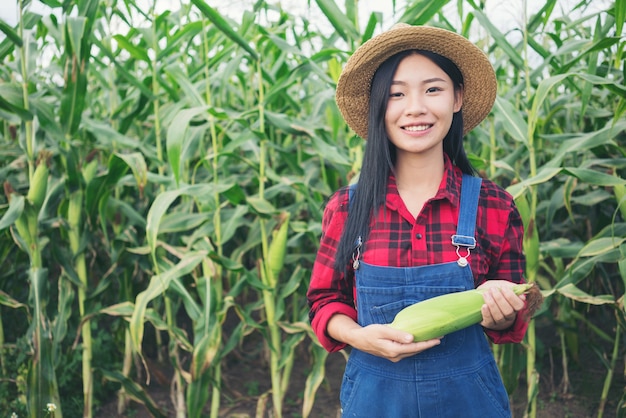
(24, 215)
(546, 164)
(189, 153)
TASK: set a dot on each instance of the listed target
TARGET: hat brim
(353, 87)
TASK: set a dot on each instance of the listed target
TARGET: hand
(384, 341)
(501, 304)
(377, 339)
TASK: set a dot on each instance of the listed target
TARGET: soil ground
(246, 379)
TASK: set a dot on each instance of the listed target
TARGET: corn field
(165, 172)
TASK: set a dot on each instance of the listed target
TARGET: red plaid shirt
(397, 239)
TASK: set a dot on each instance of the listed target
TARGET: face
(421, 104)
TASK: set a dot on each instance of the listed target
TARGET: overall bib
(458, 378)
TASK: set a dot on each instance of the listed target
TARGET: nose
(415, 105)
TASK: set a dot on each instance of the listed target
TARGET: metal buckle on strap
(463, 241)
(356, 255)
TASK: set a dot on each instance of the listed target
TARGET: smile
(416, 128)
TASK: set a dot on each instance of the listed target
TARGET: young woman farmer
(404, 234)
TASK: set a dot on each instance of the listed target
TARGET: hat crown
(400, 25)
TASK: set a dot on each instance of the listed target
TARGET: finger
(496, 305)
(509, 303)
(487, 318)
(399, 351)
(397, 335)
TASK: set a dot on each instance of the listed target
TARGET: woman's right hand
(377, 339)
(384, 341)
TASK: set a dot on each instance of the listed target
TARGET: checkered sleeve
(507, 258)
(330, 291)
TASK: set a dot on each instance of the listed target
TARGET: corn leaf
(594, 177)
(11, 34)
(161, 204)
(500, 40)
(512, 120)
(204, 353)
(193, 309)
(138, 53)
(620, 16)
(157, 287)
(586, 141)
(8, 301)
(314, 378)
(545, 174)
(375, 19)
(134, 391)
(119, 309)
(16, 207)
(232, 221)
(422, 12)
(177, 134)
(12, 100)
(66, 300)
(600, 246)
(340, 22)
(580, 269)
(542, 17)
(41, 374)
(572, 292)
(122, 71)
(540, 95)
(261, 205)
(136, 162)
(73, 97)
(224, 26)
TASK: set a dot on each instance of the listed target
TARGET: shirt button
(418, 236)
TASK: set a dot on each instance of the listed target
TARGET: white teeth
(416, 128)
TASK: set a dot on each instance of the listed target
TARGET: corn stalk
(77, 37)
(217, 271)
(269, 269)
(249, 140)
(42, 383)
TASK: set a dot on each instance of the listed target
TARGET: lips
(416, 128)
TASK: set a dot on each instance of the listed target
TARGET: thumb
(403, 337)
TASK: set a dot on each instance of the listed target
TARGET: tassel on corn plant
(442, 315)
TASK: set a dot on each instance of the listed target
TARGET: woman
(404, 234)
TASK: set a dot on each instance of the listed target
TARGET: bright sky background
(503, 14)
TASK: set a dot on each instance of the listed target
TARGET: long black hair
(379, 158)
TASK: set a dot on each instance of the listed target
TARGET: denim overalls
(459, 377)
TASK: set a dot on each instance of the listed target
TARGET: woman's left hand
(501, 304)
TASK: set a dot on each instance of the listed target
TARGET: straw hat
(353, 87)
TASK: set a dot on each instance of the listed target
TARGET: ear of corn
(38, 185)
(442, 315)
(277, 250)
(23, 229)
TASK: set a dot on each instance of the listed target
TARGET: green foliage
(188, 156)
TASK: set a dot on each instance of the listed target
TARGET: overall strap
(351, 190)
(464, 237)
(358, 242)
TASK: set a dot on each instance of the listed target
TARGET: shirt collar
(449, 189)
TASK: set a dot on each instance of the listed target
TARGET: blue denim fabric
(458, 378)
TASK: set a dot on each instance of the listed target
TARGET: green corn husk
(39, 185)
(442, 315)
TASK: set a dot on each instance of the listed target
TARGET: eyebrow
(427, 81)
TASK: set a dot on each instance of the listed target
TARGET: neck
(419, 173)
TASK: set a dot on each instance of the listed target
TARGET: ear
(458, 100)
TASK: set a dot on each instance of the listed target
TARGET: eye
(396, 94)
(433, 90)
